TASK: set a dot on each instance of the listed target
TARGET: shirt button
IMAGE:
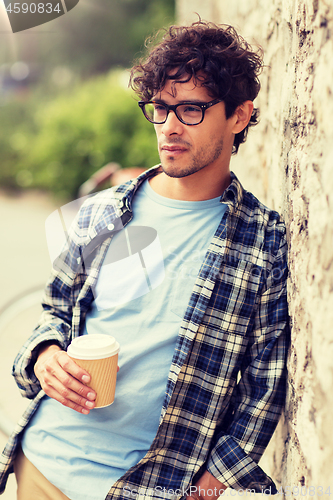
(78, 260)
(110, 227)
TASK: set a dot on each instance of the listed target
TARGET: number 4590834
(33, 8)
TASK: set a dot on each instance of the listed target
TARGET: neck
(195, 187)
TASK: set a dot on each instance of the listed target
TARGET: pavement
(25, 267)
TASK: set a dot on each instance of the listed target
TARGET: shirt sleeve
(259, 396)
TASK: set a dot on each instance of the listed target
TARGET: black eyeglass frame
(173, 107)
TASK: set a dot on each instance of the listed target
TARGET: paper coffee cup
(98, 355)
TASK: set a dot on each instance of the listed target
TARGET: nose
(172, 125)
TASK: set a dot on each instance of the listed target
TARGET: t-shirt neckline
(180, 204)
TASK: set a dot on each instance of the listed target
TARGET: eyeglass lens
(157, 113)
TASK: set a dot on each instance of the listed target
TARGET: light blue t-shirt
(141, 296)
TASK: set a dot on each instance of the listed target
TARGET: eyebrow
(188, 101)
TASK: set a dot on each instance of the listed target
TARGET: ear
(242, 116)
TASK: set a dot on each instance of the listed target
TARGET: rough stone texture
(287, 162)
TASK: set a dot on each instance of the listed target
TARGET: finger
(57, 386)
(63, 396)
(53, 358)
(193, 496)
(69, 366)
(57, 377)
(57, 383)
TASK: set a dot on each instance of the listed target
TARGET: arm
(53, 333)
(42, 363)
(259, 396)
(54, 327)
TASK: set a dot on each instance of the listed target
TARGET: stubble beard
(198, 162)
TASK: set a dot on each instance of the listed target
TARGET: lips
(173, 148)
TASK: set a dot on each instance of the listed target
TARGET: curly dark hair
(215, 56)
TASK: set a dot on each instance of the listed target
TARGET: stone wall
(288, 163)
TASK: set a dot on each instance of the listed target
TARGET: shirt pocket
(234, 297)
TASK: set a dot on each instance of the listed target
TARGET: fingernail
(85, 379)
(85, 411)
(91, 395)
(90, 404)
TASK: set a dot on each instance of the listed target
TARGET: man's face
(184, 149)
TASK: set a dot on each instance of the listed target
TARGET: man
(203, 347)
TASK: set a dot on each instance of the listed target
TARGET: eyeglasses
(189, 113)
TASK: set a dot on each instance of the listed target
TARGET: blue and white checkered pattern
(226, 385)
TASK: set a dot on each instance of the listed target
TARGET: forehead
(178, 90)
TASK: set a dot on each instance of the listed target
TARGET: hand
(206, 488)
(63, 380)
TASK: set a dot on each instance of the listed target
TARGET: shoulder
(270, 227)
(257, 226)
(97, 204)
(262, 216)
(105, 204)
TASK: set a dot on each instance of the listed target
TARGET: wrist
(45, 350)
(207, 488)
(49, 345)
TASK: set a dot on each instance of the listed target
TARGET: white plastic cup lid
(93, 346)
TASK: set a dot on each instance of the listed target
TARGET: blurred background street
(25, 266)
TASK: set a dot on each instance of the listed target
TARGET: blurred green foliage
(57, 144)
(74, 112)
(94, 37)
(104, 33)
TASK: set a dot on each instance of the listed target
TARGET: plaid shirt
(226, 385)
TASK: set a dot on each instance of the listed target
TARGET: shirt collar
(134, 184)
(232, 196)
(234, 193)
